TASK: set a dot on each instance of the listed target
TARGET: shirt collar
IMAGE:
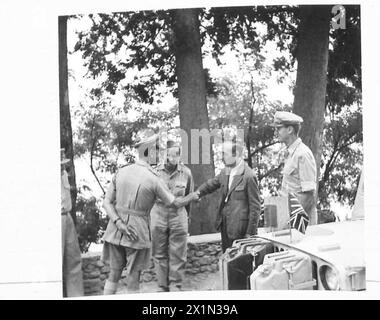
(294, 145)
(142, 163)
(179, 168)
(238, 168)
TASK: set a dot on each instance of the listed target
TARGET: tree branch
(269, 172)
(92, 155)
(264, 147)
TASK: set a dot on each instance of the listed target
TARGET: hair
(173, 144)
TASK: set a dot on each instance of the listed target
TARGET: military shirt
(134, 190)
(66, 204)
(300, 172)
(180, 183)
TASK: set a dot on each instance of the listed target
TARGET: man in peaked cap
(71, 256)
(299, 172)
(170, 225)
(129, 199)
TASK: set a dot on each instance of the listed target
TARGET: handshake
(184, 201)
(130, 232)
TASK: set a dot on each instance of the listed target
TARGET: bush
(90, 222)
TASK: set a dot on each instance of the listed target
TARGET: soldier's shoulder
(186, 169)
(153, 171)
(305, 149)
(124, 167)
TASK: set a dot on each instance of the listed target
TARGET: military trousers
(169, 248)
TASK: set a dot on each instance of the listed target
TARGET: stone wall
(202, 257)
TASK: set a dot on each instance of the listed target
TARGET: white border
(29, 189)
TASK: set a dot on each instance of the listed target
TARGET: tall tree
(64, 109)
(192, 104)
(310, 90)
(169, 43)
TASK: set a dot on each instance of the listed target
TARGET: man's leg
(63, 225)
(72, 261)
(110, 287)
(114, 256)
(177, 256)
(160, 248)
(137, 260)
(226, 242)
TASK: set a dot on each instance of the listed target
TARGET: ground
(199, 282)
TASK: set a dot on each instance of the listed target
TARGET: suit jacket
(242, 209)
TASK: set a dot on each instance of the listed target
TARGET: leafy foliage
(91, 224)
(342, 158)
(119, 45)
(344, 83)
(241, 102)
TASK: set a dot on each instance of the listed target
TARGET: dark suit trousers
(226, 241)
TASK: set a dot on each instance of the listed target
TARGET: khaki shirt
(300, 172)
(180, 183)
(134, 190)
(66, 204)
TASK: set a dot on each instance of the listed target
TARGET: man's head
(173, 153)
(148, 147)
(287, 126)
(232, 153)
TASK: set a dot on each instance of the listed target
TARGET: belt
(132, 212)
(64, 213)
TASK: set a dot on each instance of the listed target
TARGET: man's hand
(184, 201)
(127, 230)
(197, 196)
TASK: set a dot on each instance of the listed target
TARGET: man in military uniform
(239, 207)
(299, 172)
(170, 225)
(128, 201)
(71, 256)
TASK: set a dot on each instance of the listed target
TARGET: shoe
(175, 288)
(162, 289)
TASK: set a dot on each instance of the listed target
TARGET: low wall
(203, 254)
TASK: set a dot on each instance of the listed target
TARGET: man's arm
(308, 177)
(253, 204)
(189, 189)
(209, 186)
(109, 207)
(307, 172)
(109, 199)
(163, 193)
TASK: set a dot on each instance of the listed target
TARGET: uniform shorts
(119, 257)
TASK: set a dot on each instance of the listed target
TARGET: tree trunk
(64, 110)
(193, 108)
(310, 91)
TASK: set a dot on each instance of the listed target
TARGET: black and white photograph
(212, 149)
(205, 150)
